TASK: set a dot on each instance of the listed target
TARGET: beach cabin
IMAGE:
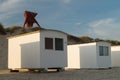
(42, 49)
(89, 55)
(115, 56)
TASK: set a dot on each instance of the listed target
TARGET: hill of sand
(3, 51)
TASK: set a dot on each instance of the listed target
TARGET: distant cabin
(89, 55)
(115, 56)
(38, 49)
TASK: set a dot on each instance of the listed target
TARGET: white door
(103, 57)
(30, 56)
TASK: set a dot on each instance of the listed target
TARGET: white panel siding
(14, 52)
(28, 51)
(87, 56)
(73, 57)
(30, 55)
(115, 56)
(53, 58)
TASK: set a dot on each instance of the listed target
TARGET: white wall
(30, 55)
(15, 49)
(53, 58)
(82, 56)
(115, 56)
(28, 51)
(87, 56)
(73, 56)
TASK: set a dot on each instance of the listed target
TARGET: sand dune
(3, 52)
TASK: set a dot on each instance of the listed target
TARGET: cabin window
(48, 43)
(106, 51)
(58, 44)
(103, 51)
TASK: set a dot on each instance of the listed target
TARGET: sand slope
(3, 52)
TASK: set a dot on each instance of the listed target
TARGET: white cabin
(89, 55)
(115, 56)
(38, 49)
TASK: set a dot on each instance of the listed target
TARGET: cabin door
(30, 56)
(103, 57)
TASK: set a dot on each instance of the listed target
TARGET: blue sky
(94, 18)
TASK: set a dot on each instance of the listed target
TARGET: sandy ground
(108, 74)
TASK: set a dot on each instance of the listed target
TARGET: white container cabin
(90, 55)
(38, 50)
(115, 56)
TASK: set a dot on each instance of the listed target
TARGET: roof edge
(31, 32)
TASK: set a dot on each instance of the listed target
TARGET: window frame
(101, 52)
(59, 44)
(49, 43)
(104, 50)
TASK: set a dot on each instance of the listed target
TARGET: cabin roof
(86, 44)
(32, 32)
